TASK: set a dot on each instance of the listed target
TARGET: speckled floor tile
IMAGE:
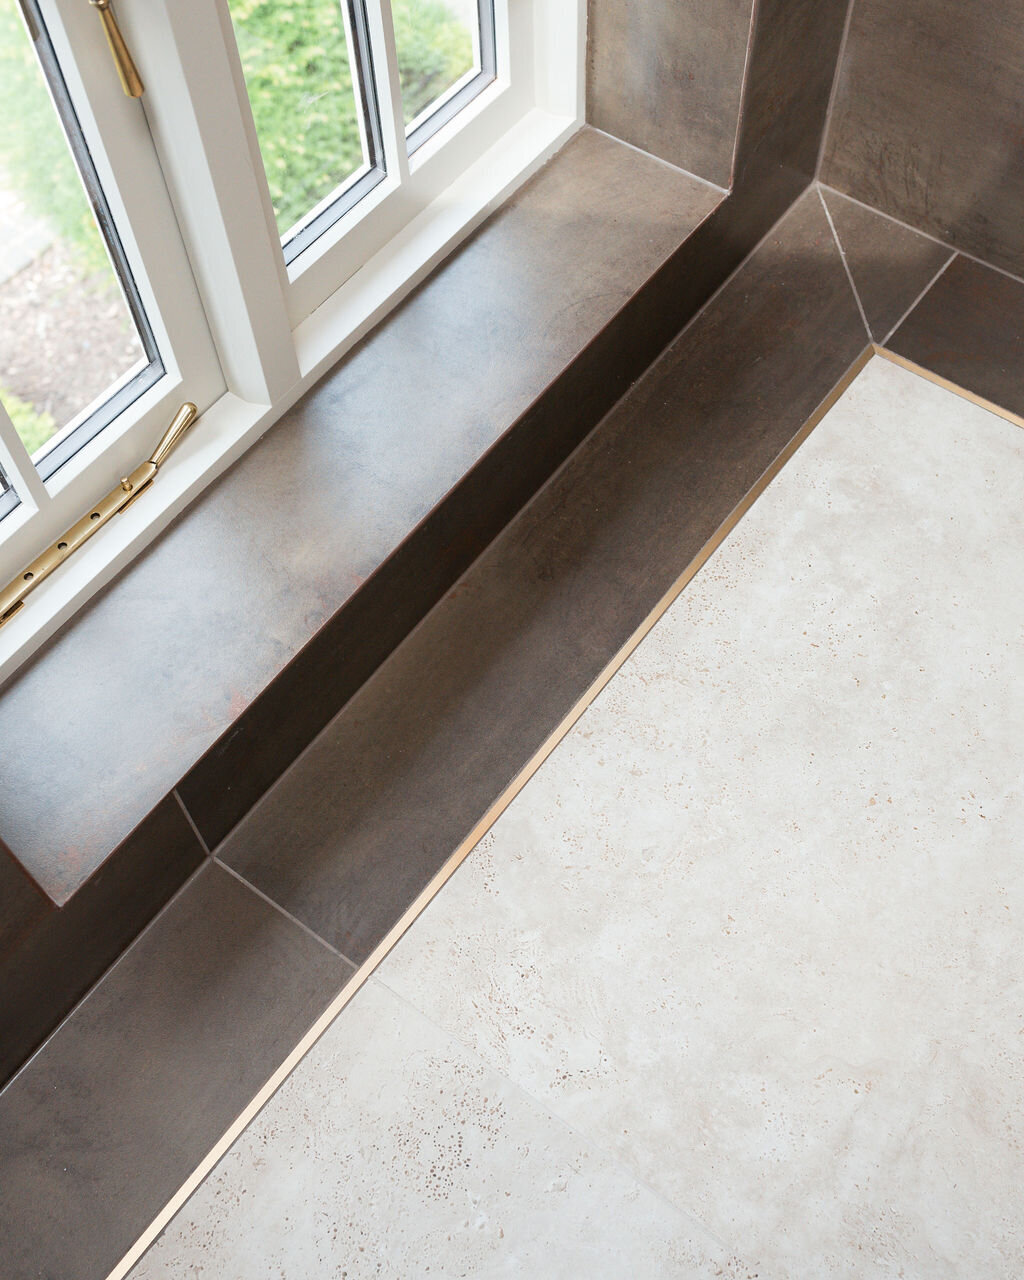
(754, 927)
(394, 1152)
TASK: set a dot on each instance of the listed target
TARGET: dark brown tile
(890, 264)
(667, 76)
(220, 604)
(208, 617)
(22, 903)
(367, 816)
(789, 82)
(65, 950)
(928, 120)
(103, 1125)
(969, 328)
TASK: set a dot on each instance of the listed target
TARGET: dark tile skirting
(779, 139)
(106, 1123)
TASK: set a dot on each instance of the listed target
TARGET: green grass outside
(300, 86)
(33, 427)
(297, 71)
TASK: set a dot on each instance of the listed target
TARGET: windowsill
(157, 667)
(231, 425)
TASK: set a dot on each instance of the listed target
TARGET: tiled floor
(733, 986)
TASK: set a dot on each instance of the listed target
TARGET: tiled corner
(891, 265)
(62, 951)
(928, 117)
(667, 76)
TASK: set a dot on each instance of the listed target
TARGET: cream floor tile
(754, 927)
(392, 1151)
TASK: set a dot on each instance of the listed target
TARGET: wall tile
(929, 118)
(666, 76)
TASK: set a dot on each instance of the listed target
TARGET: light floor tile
(393, 1151)
(754, 928)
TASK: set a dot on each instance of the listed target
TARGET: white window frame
(275, 328)
(123, 155)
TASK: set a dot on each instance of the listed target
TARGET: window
(292, 168)
(76, 345)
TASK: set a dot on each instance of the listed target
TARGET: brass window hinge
(13, 595)
(131, 81)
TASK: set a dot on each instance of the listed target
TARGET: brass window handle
(131, 81)
(13, 595)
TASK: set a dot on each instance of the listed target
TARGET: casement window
(290, 170)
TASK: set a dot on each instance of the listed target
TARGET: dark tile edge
(60, 956)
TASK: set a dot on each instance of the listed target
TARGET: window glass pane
(307, 99)
(67, 333)
(438, 45)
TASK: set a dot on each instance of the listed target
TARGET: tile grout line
(539, 1104)
(287, 914)
(482, 826)
(920, 297)
(834, 91)
(649, 155)
(846, 265)
(192, 823)
(925, 235)
(741, 106)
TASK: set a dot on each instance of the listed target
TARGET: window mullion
(389, 88)
(18, 467)
(196, 106)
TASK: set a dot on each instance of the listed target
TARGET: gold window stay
(12, 597)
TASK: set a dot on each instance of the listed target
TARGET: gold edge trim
(480, 829)
(895, 358)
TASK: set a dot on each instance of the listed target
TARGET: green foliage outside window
(34, 427)
(300, 84)
(299, 79)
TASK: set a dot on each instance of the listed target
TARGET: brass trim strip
(388, 943)
(937, 378)
(131, 81)
(12, 598)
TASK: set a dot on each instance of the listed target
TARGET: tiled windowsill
(214, 611)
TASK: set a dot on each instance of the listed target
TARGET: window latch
(131, 81)
(12, 597)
